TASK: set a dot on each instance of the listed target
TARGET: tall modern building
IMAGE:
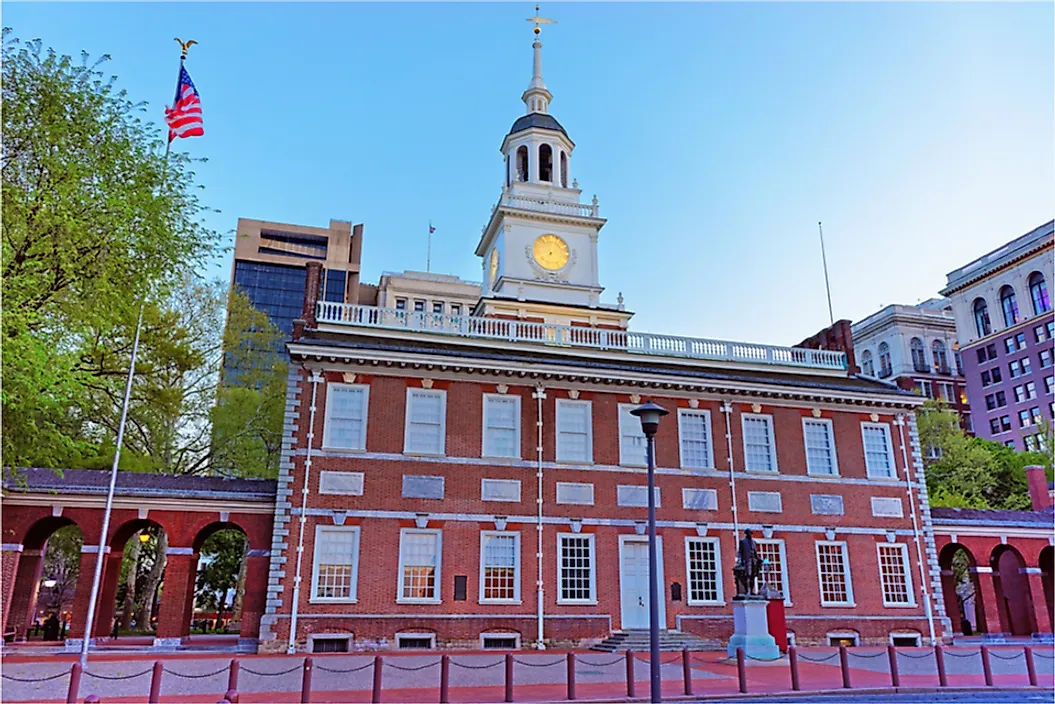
(270, 259)
(1002, 308)
(916, 348)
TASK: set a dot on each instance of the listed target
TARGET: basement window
(847, 638)
(416, 641)
(337, 643)
(906, 640)
(500, 641)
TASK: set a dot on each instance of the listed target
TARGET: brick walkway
(480, 677)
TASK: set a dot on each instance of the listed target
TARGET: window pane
(703, 570)
(631, 438)
(832, 574)
(820, 451)
(502, 422)
(877, 452)
(773, 566)
(757, 449)
(346, 417)
(425, 431)
(893, 575)
(418, 552)
(335, 552)
(499, 566)
(575, 568)
(695, 439)
(573, 432)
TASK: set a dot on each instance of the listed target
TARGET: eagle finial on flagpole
(538, 20)
(185, 45)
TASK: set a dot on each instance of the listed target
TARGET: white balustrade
(574, 336)
(541, 205)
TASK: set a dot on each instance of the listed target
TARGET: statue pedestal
(751, 630)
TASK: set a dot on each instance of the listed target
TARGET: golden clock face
(494, 264)
(551, 252)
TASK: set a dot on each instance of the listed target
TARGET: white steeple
(536, 98)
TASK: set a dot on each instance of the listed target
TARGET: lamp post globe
(650, 414)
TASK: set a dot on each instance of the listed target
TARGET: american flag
(184, 117)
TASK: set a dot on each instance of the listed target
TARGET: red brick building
(477, 480)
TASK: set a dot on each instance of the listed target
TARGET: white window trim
(720, 601)
(443, 423)
(907, 565)
(353, 592)
(312, 637)
(516, 568)
(500, 634)
(624, 461)
(329, 407)
(565, 403)
(849, 635)
(484, 449)
(805, 446)
(785, 581)
(849, 603)
(744, 417)
(412, 634)
(682, 413)
(400, 599)
(905, 634)
(593, 568)
(889, 449)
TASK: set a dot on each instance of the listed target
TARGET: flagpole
(827, 286)
(428, 255)
(89, 622)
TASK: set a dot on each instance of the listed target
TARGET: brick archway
(1046, 561)
(25, 571)
(1013, 598)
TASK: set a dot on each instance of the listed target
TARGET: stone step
(638, 640)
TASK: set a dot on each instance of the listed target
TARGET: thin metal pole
(428, 253)
(653, 574)
(89, 620)
(827, 286)
(539, 395)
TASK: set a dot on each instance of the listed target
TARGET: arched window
(507, 170)
(545, 163)
(1009, 306)
(866, 363)
(919, 355)
(885, 366)
(1038, 291)
(522, 164)
(563, 168)
(941, 358)
(981, 317)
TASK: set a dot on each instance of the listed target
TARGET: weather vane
(185, 45)
(540, 20)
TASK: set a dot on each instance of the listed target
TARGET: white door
(633, 582)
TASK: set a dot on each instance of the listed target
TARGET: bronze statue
(748, 567)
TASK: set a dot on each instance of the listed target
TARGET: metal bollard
(895, 676)
(571, 675)
(686, 671)
(445, 678)
(987, 666)
(630, 685)
(75, 684)
(509, 677)
(375, 695)
(1031, 667)
(793, 662)
(231, 695)
(155, 682)
(939, 661)
(741, 670)
(844, 665)
(305, 682)
(232, 677)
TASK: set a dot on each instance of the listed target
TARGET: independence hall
(476, 479)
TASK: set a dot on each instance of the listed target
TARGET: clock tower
(539, 248)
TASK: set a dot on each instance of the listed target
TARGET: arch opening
(1013, 598)
(545, 163)
(216, 601)
(522, 163)
(133, 580)
(962, 589)
(1047, 579)
(46, 579)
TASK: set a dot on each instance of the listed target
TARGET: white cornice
(46, 498)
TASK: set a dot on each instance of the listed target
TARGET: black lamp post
(649, 414)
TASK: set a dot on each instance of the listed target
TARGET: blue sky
(714, 135)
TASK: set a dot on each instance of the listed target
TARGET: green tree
(94, 219)
(969, 472)
(62, 563)
(219, 568)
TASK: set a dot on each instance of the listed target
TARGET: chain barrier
(478, 667)
(338, 671)
(538, 664)
(752, 657)
(1016, 656)
(195, 677)
(924, 656)
(119, 677)
(35, 679)
(824, 659)
(672, 660)
(862, 655)
(412, 669)
(963, 655)
(272, 674)
(1037, 654)
(600, 664)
